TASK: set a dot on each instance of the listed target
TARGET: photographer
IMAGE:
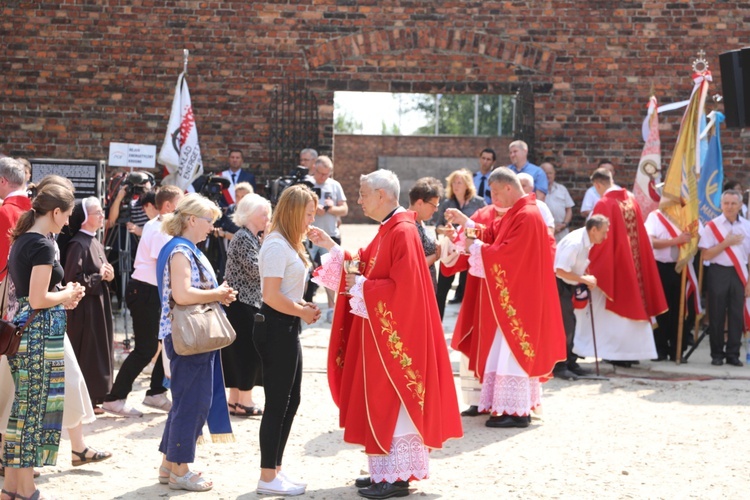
(331, 206)
(132, 186)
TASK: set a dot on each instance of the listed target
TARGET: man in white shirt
(144, 302)
(527, 183)
(592, 196)
(571, 266)
(725, 245)
(331, 206)
(558, 200)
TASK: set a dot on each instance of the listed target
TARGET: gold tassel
(223, 438)
(201, 440)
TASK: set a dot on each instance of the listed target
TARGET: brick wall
(358, 154)
(78, 74)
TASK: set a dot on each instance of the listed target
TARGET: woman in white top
(283, 267)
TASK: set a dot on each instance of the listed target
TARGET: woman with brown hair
(35, 422)
(283, 267)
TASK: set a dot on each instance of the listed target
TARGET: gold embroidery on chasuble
(516, 325)
(395, 346)
(631, 226)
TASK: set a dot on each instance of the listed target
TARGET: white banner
(122, 154)
(180, 152)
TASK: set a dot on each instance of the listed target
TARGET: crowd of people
(535, 296)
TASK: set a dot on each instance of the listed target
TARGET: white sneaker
(121, 407)
(159, 401)
(289, 479)
(279, 486)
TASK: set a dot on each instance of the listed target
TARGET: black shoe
(456, 300)
(624, 364)
(472, 411)
(734, 362)
(362, 482)
(717, 361)
(565, 374)
(507, 421)
(386, 490)
(579, 370)
(660, 357)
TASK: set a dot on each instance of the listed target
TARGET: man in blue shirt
(486, 165)
(519, 151)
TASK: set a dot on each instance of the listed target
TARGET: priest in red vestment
(15, 201)
(511, 327)
(629, 292)
(388, 366)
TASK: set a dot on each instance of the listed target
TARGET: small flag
(712, 176)
(649, 168)
(180, 152)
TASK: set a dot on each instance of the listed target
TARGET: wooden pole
(698, 316)
(681, 324)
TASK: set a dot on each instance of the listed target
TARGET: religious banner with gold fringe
(679, 200)
(648, 174)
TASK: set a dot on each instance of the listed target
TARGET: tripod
(114, 239)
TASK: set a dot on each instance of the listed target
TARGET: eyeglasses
(98, 212)
(433, 204)
(210, 220)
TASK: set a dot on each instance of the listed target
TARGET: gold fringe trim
(201, 440)
(223, 438)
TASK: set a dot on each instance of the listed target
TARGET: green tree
(456, 114)
(343, 123)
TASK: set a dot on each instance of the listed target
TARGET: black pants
(565, 291)
(444, 284)
(665, 335)
(277, 342)
(726, 298)
(145, 308)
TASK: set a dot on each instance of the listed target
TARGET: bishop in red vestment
(512, 330)
(388, 366)
(629, 291)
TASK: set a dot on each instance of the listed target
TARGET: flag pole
(681, 324)
(698, 298)
(185, 55)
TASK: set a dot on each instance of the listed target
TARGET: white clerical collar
(84, 231)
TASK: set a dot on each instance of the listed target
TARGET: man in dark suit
(235, 173)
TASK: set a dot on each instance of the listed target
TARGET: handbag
(199, 328)
(10, 333)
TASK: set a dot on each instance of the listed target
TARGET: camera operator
(331, 206)
(132, 186)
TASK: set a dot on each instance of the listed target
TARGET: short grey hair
(520, 144)
(382, 179)
(247, 207)
(309, 151)
(527, 177)
(596, 221)
(12, 171)
(504, 175)
(732, 192)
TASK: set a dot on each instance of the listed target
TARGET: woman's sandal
(34, 496)
(165, 479)
(249, 411)
(12, 496)
(184, 482)
(232, 407)
(83, 459)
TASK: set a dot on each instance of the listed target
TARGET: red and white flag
(180, 152)
(649, 168)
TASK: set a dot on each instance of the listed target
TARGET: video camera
(214, 186)
(134, 184)
(274, 187)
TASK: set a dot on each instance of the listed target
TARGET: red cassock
(397, 356)
(624, 263)
(519, 295)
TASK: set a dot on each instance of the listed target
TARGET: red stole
(519, 294)
(741, 271)
(399, 355)
(624, 263)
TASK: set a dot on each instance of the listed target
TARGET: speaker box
(735, 76)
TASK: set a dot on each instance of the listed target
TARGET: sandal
(34, 496)
(249, 411)
(232, 408)
(164, 479)
(83, 459)
(12, 496)
(185, 483)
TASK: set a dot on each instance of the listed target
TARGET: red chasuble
(399, 354)
(519, 294)
(624, 263)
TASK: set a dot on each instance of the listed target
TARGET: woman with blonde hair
(33, 433)
(185, 275)
(460, 194)
(283, 266)
(240, 360)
